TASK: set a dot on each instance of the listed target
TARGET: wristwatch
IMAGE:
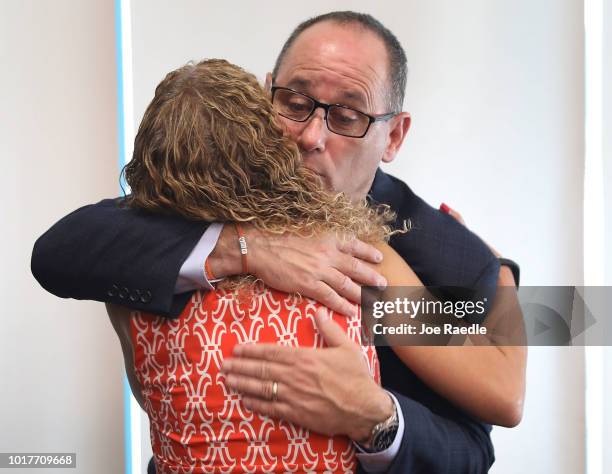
(514, 268)
(383, 433)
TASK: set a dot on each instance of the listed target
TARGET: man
(353, 61)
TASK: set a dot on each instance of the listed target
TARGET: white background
(60, 363)
(496, 92)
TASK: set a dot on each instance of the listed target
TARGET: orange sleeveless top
(198, 425)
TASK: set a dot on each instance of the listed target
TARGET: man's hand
(327, 390)
(320, 267)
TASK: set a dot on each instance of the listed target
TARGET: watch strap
(514, 268)
(383, 433)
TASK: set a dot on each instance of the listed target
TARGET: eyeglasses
(340, 119)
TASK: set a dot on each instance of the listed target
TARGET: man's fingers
(343, 285)
(276, 409)
(259, 369)
(361, 250)
(267, 352)
(360, 272)
(332, 333)
(352, 264)
(250, 386)
(326, 295)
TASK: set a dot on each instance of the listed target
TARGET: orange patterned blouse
(197, 424)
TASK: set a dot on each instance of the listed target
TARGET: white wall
(496, 94)
(607, 136)
(60, 364)
(607, 158)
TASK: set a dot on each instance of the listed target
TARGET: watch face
(384, 438)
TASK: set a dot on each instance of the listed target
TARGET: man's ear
(268, 83)
(400, 124)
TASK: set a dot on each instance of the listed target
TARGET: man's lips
(320, 175)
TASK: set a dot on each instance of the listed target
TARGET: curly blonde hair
(209, 148)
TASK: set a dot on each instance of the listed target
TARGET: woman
(209, 148)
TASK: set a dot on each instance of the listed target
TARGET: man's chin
(326, 183)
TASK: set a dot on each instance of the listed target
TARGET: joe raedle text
(427, 329)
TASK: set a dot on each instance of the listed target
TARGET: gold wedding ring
(274, 391)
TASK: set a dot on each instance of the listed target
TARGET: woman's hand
(459, 218)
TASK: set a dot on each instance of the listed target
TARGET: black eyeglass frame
(326, 107)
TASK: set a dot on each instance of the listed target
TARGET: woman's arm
(120, 319)
(487, 381)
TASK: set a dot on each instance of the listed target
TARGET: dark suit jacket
(109, 253)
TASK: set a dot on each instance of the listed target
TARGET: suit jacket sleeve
(111, 253)
(440, 445)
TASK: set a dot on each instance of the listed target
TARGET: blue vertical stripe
(127, 415)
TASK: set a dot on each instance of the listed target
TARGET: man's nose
(314, 134)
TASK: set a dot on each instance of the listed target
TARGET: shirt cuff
(192, 275)
(374, 463)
